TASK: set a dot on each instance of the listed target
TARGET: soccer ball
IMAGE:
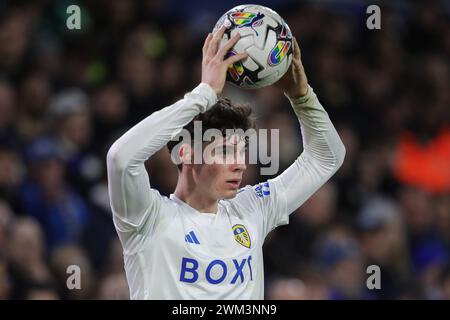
(267, 39)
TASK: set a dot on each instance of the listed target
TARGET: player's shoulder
(165, 203)
(260, 190)
(250, 194)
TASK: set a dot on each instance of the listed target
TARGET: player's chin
(229, 193)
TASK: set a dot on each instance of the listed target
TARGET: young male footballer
(205, 240)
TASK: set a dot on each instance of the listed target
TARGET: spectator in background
(308, 285)
(26, 253)
(115, 258)
(8, 131)
(442, 208)
(113, 283)
(388, 90)
(138, 72)
(70, 119)
(340, 259)
(424, 165)
(11, 175)
(444, 283)
(5, 280)
(110, 116)
(428, 250)
(6, 220)
(384, 243)
(288, 248)
(14, 31)
(42, 292)
(72, 255)
(286, 289)
(34, 92)
(46, 196)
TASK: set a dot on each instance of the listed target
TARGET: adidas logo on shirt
(191, 238)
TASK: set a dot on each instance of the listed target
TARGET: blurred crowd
(66, 95)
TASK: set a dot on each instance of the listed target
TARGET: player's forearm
(320, 138)
(152, 133)
(323, 152)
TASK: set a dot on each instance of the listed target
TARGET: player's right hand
(214, 64)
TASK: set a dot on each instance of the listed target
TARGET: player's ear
(185, 153)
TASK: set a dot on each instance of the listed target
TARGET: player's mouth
(234, 183)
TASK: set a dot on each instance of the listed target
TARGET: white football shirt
(172, 251)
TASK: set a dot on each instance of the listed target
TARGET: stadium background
(65, 96)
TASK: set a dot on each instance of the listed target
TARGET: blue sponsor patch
(263, 189)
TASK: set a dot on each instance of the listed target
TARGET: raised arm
(128, 182)
(323, 152)
(131, 197)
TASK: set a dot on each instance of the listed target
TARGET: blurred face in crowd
(222, 178)
(376, 244)
(49, 174)
(342, 261)
(10, 169)
(347, 276)
(122, 12)
(42, 294)
(13, 31)
(417, 209)
(287, 289)
(315, 289)
(76, 128)
(173, 74)
(136, 70)
(385, 243)
(110, 104)
(6, 218)
(302, 288)
(34, 95)
(26, 243)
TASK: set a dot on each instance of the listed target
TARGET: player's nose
(238, 166)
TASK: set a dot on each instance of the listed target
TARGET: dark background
(66, 95)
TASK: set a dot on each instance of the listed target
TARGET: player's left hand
(294, 83)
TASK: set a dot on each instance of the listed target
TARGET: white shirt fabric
(172, 251)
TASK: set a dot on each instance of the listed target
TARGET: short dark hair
(222, 116)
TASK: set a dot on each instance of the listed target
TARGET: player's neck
(197, 201)
(195, 197)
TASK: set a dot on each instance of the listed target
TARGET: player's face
(221, 174)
